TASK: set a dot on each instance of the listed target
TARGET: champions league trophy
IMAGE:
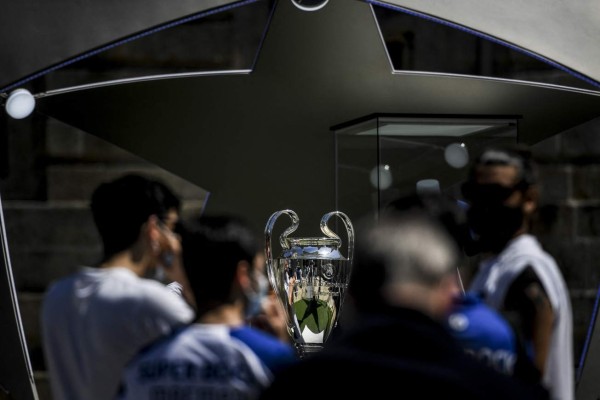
(310, 279)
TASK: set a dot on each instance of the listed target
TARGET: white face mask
(165, 262)
(256, 297)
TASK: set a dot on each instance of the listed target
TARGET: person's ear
(242, 275)
(444, 295)
(152, 232)
(531, 197)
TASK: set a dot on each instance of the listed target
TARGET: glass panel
(226, 40)
(386, 157)
(231, 39)
(418, 44)
(357, 155)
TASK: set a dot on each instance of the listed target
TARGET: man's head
(405, 259)
(502, 193)
(439, 206)
(219, 257)
(120, 209)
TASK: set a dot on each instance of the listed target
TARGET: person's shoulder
(176, 288)
(274, 353)
(59, 285)
(460, 377)
(157, 299)
(470, 317)
(258, 338)
(66, 284)
(524, 248)
(523, 252)
(155, 290)
(489, 383)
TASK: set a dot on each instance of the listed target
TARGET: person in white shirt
(95, 320)
(516, 275)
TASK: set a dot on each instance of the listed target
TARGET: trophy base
(305, 350)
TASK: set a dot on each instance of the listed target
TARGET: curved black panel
(261, 141)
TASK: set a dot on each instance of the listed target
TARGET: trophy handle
(349, 229)
(282, 240)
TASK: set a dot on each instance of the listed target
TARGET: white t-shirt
(200, 362)
(493, 281)
(176, 288)
(95, 321)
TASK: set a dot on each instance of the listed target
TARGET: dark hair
(517, 155)
(400, 246)
(122, 206)
(212, 247)
(446, 210)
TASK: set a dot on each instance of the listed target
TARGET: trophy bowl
(310, 278)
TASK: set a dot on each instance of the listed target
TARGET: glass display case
(382, 157)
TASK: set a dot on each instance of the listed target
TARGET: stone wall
(569, 172)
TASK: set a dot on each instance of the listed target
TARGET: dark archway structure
(260, 140)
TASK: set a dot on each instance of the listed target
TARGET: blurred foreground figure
(95, 320)
(218, 356)
(486, 335)
(482, 331)
(517, 277)
(403, 284)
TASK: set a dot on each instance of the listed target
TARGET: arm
(531, 313)
(542, 323)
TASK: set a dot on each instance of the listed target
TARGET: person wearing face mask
(516, 276)
(264, 311)
(219, 355)
(97, 318)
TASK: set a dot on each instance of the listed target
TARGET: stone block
(585, 182)
(37, 225)
(48, 241)
(547, 150)
(77, 182)
(23, 177)
(554, 182)
(582, 142)
(582, 304)
(30, 307)
(555, 220)
(42, 383)
(577, 260)
(587, 223)
(33, 270)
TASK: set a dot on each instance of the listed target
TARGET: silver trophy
(310, 278)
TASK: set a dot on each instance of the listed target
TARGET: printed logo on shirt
(177, 371)
(501, 360)
(171, 392)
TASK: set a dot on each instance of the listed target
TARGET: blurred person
(402, 286)
(272, 318)
(489, 337)
(516, 276)
(482, 331)
(268, 313)
(265, 311)
(218, 356)
(95, 320)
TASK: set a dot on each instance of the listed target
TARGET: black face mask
(492, 227)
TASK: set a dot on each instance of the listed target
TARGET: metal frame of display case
(381, 157)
